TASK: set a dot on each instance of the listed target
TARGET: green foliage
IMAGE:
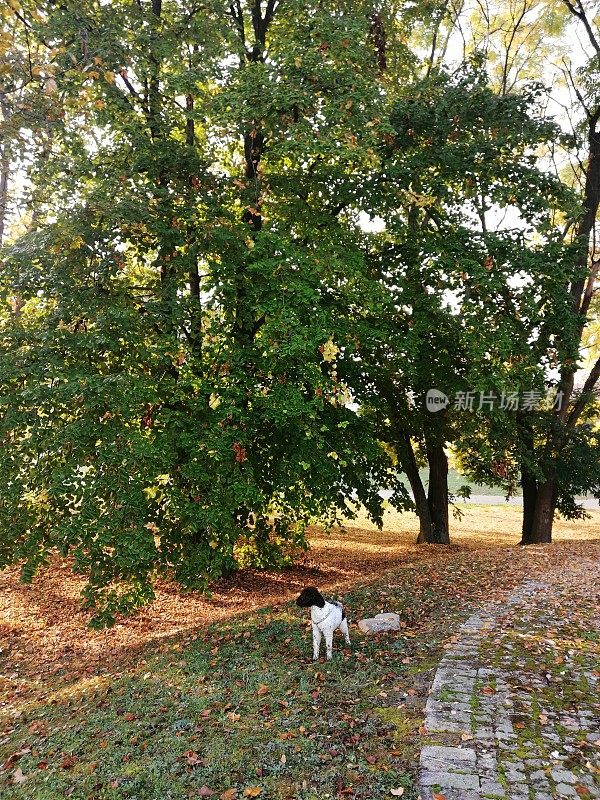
(470, 266)
(192, 304)
(170, 400)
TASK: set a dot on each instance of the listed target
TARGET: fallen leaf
(262, 690)
(466, 737)
(439, 797)
(18, 777)
(228, 794)
(252, 791)
(15, 757)
(39, 727)
(69, 762)
(204, 791)
(192, 758)
(397, 792)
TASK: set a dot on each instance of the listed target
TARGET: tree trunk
(528, 480)
(437, 494)
(411, 470)
(543, 517)
(530, 491)
(4, 170)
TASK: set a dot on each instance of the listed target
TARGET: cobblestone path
(514, 709)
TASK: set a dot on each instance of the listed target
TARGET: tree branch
(588, 388)
(579, 12)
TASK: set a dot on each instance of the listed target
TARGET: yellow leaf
(298, 61)
(228, 794)
(109, 76)
(252, 791)
(329, 350)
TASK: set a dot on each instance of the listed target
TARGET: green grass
(242, 706)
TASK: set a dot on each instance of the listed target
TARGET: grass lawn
(218, 697)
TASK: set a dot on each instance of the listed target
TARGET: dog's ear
(319, 600)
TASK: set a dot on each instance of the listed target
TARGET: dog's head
(310, 596)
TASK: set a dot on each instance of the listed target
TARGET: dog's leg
(329, 643)
(345, 631)
(316, 642)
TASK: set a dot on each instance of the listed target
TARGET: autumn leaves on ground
(217, 697)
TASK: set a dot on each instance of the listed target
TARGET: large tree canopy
(168, 350)
(203, 347)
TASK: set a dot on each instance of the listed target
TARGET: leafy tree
(561, 453)
(461, 291)
(170, 397)
(520, 41)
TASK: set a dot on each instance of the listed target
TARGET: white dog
(327, 616)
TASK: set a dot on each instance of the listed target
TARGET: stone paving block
(440, 723)
(492, 788)
(503, 735)
(484, 733)
(565, 790)
(514, 775)
(449, 678)
(450, 780)
(459, 755)
(538, 776)
(518, 791)
(563, 776)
